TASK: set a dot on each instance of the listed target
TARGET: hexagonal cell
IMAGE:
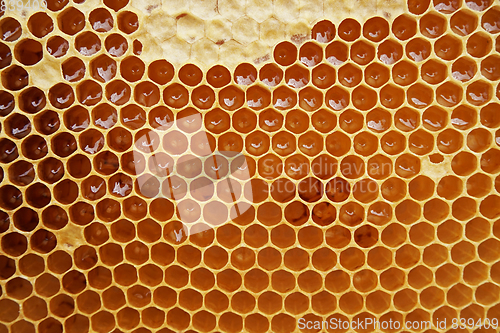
(71, 21)
(391, 96)
(10, 29)
(32, 100)
(89, 93)
(245, 30)
(404, 27)
(323, 31)
(310, 54)
(231, 98)
(404, 73)
(17, 126)
(271, 75)
(61, 96)
(147, 94)
(336, 53)
(432, 25)
(478, 93)
(447, 7)
(132, 68)
(189, 74)
(434, 71)
(449, 94)
(285, 53)
(76, 119)
(5, 55)
(350, 75)
(40, 24)
(349, 30)
(434, 118)
(448, 47)
(284, 98)
(419, 96)
(116, 45)
(73, 69)
(418, 7)
(297, 76)
(463, 117)
(310, 99)
(245, 74)
(323, 76)
(463, 163)
(389, 52)
(128, 22)
(376, 75)
(14, 78)
(418, 49)
(103, 68)
(362, 53)
(490, 67)
(463, 22)
(478, 5)
(376, 29)
(337, 98)
(479, 44)
(47, 122)
(449, 141)
(364, 98)
(490, 20)
(101, 20)
(161, 71)
(421, 142)
(218, 76)
(464, 69)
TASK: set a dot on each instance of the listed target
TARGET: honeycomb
(219, 166)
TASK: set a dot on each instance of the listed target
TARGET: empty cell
(432, 297)
(351, 302)
(393, 235)
(420, 277)
(463, 252)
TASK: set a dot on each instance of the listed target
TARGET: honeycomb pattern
(353, 175)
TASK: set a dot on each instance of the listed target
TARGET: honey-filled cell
(188, 185)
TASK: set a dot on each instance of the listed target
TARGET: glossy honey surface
(351, 173)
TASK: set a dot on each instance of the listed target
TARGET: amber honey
(248, 168)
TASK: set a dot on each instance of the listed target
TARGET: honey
(247, 167)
